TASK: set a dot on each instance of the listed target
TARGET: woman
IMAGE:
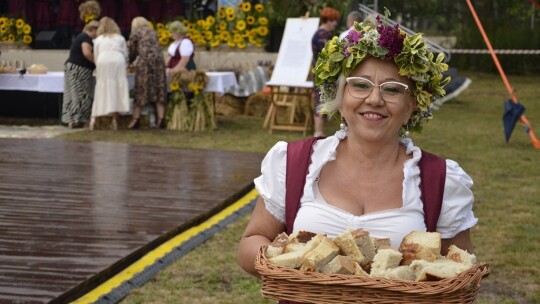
(78, 80)
(112, 91)
(367, 175)
(329, 19)
(181, 51)
(144, 47)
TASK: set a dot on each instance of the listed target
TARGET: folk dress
(112, 89)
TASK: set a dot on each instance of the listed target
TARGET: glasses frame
(375, 85)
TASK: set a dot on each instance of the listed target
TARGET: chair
(297, 102)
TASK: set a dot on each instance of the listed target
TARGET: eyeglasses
(391, 91)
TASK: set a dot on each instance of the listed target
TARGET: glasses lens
(392, 91)
(359, 88)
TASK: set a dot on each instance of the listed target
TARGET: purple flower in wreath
(391, 39)
(352, 38)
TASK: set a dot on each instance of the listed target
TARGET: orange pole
(524, 120)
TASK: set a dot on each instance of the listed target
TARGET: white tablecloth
(53, 82)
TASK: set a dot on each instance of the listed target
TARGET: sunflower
(229, 11)
(259, 7)
(19, 23)
(263, 30)
(215, 42)
(250, 20)
(246, 6)
(241, 25)
(222, 25)
(241, 44)
(263, 20)
(174, 86)
(4, 21)
(163, 40)
(27, 39)
(3, 29)
(230, 17)
(11, 38)
(27, 29)
(225, 36)
(208, 35)
(210, 20)
(160, 26)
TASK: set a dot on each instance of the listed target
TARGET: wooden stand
(294, 99)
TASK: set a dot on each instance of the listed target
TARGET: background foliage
(509, 24)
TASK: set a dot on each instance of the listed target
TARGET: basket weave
(283, 283)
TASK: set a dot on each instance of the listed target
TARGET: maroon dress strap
(432, 180)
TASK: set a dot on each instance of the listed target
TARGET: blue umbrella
(512, 113)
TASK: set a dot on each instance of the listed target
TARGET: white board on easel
(294, 58)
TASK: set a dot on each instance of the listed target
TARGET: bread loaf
(461, 256)
(363, 241)
(348, 247)
(439, 269)
(420, 245)
(340, 265)
(325, 252)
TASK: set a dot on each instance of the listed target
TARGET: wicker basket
(282, 283)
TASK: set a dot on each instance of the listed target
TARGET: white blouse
(186, 47)
(318, 216)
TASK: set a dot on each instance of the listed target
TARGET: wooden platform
(72, 214)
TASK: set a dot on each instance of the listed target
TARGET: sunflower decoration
(15, 31)
(89, 10)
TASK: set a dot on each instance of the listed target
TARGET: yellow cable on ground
(151, 257)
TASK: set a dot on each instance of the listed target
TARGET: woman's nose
(374, 98)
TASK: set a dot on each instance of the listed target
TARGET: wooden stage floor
(72, 214)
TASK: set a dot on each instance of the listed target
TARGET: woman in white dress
(112, 90)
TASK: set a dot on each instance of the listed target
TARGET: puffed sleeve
(271, 182)
(456, 213)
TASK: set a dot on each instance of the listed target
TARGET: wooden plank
(74, 213)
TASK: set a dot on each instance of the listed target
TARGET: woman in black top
(78, 80)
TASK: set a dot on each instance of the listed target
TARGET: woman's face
(372, 118)
(92, 32)
(177, 36)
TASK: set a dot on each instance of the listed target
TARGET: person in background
(78, 80)
(329, 19)
(111, 96)
(352, 17)
(145, 51)
(367, 175)
(181, 51)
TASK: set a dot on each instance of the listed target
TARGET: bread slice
(420, 245)
(401, 272)
(381, 243)
(325, 252)
(461, 256)
(340, 265)
(303, 242)
(363, 241)
(385, 259)
(277, 246)
(437, 270)
(291, 259)
(348, 247)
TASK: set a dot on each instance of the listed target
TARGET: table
(53, 82)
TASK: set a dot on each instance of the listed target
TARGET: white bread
(363, 241)
(277, 247)
(439, 269)
(420, 245)
(348, 247)
(385, 259)
(340, 265)
(325, 252)
(459, 255)
(381, 243)
(401, 272)
(291, 259)
(359, 271)
(298, 244)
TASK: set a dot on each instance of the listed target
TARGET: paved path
(7, 131)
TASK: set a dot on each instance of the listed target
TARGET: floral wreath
(373, 37)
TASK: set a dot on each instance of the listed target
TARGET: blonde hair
(177, 27)
(92, 25)
(138, 22)
(107, 26)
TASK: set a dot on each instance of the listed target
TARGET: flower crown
(373, 37)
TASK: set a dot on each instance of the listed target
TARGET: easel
(289, 88)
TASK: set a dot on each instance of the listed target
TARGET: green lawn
(467, 129)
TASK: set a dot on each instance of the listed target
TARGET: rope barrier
(502, 51)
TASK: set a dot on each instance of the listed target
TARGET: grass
(467, 129)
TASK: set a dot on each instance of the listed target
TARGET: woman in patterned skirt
(78, 80)
(145, 51)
